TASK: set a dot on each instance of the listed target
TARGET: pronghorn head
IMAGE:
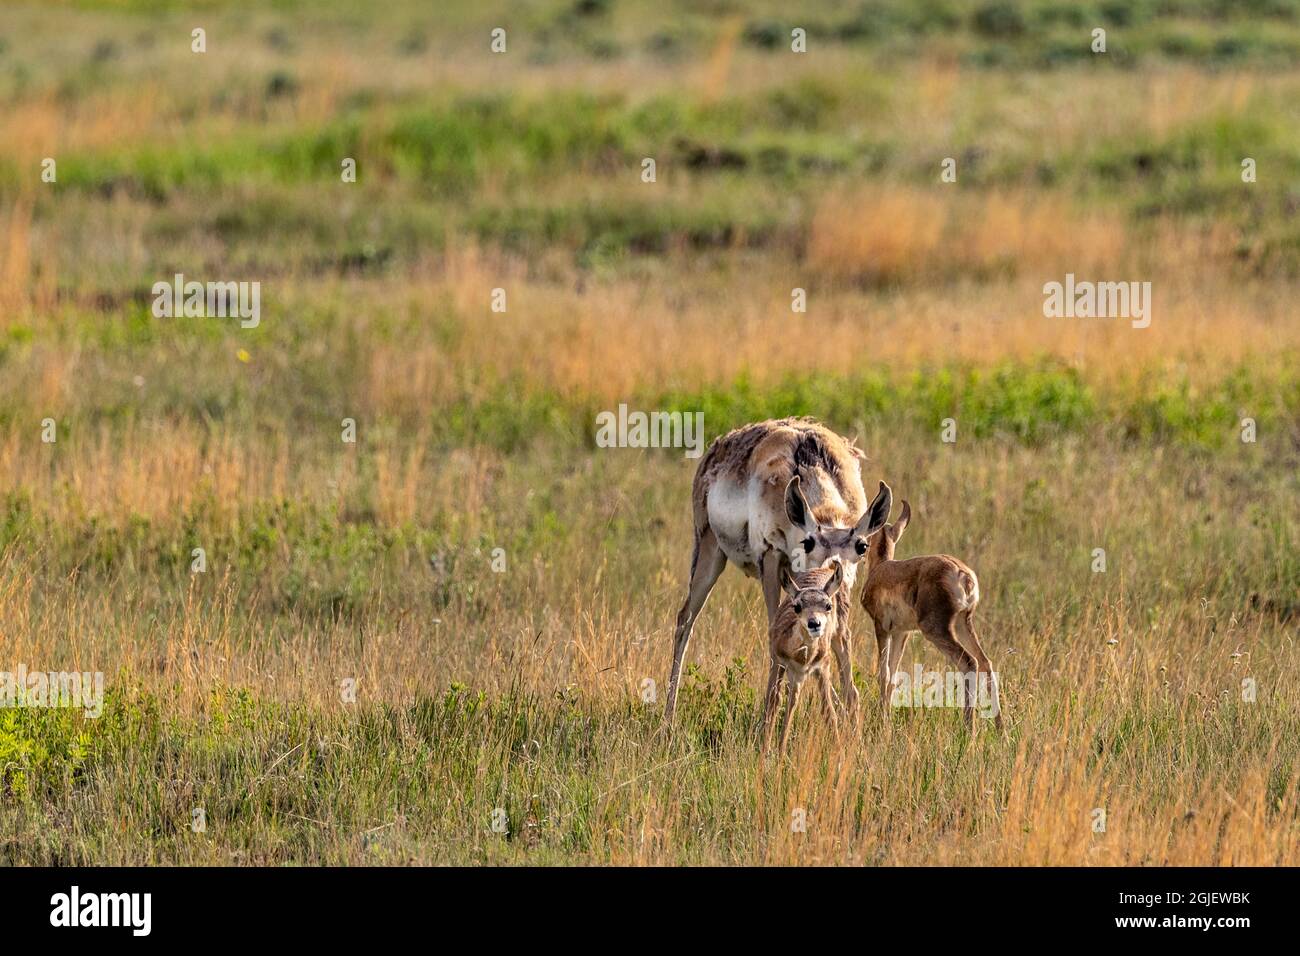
(882, 545)
(812, 545)
(814, 605)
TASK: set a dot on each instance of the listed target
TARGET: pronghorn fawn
(799, 642)
(777, 495)
(933, 594)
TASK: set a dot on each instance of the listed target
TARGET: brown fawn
(800, 640)
(930, 594)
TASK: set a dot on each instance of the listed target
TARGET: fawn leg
(939, 629)
(828, 700)
(791, 701)
(884, 643)
(984, 664)
(896, 647)
(771, 702)
(841, 645)
(890, 651)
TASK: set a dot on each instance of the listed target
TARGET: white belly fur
(744, 528)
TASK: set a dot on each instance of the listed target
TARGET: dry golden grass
(1152, 730)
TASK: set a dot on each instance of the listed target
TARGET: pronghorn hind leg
(983, 663)
(707, 563)
(940, 630)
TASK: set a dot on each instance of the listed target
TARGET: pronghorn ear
(898, 527)
(796, 507)
(877, 513)
(787, 583)
(836, 579)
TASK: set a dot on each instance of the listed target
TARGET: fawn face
(815, 546)
(815, 606)
(882, 545)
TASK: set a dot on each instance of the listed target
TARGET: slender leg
(828, 700)
(791, 701)
(771, 702)
(896, 647)
(889, 653)
(984, 665)
(884, 643)
(707, 563)
(941, 632)
(771, 577)
(842, 645)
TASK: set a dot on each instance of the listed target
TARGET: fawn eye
(808, 544)
(798, 608)
(860, 546)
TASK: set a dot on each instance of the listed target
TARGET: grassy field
(495, 588)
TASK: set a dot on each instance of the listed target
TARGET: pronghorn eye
(808, 544)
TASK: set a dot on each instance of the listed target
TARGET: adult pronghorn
(773, 495)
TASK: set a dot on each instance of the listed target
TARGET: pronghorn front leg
(771, 574)
(828, 702)
(891, 649)
(791, 701)
(897, 645)
(884, 673)
(771, 702)
(842, 645)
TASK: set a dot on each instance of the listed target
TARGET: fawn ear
(877, 513)
(836, 579)
(796, 507)
(898, 527)
(787, 583)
